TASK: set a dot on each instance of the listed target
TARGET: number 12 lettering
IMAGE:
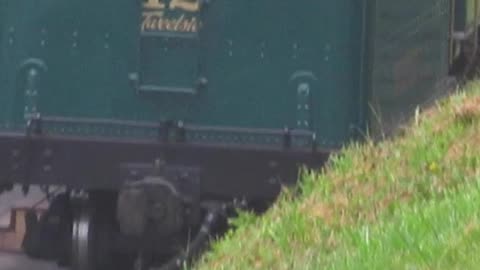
(186, 5)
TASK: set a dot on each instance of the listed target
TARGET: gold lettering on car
(176, 16)
(186, 5)
(154, 4)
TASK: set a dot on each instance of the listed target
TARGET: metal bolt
(133, 76)
(304, 88)
(272, 180)
(48, 152)
(16, 153)
(47, 168)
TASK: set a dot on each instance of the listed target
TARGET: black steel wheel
(90, 248)
(83, 242)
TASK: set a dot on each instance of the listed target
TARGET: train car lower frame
(96, 163)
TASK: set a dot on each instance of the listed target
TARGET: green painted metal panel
(410, 58)
(71, 38)
(269, 65)
(4, 100)
(2, 78)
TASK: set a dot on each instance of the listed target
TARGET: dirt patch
(469, 110)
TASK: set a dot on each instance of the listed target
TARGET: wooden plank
(11, 238)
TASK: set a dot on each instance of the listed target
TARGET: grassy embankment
(408, 203)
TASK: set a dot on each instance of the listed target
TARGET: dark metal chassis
(226, 172)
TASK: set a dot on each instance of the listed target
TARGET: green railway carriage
(152, 110)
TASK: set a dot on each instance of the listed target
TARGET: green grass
(408, 203)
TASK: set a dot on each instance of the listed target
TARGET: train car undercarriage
(158, 213)
(148, 225)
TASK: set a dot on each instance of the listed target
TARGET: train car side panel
(410, 59)
(226, 73)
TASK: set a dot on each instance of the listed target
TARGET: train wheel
(90, 241)
(83, 239)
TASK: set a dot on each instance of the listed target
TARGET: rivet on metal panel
(303, 105)
(273, 164)
(75, 35)
(133, 76)
(262, 50)
(201, 83)
(295, 51)
(47, 168)
(230, 45)
(11, 32)
(31, 93)
(15, 153)
(272, 181)
(43, 41)
(47, 152)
